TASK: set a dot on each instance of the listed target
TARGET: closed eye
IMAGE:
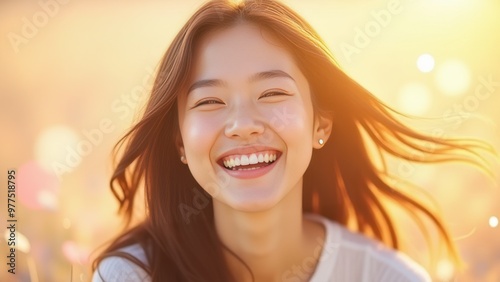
(274, 93)
(208, 101)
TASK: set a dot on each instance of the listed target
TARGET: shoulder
(117, 268)
(356, 257)
(380, 262)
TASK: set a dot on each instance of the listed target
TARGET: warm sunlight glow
(445, 270)
(414, 98)
(76, 76)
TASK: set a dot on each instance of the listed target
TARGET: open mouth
(249, 161)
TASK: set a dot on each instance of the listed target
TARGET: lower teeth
(252, 168)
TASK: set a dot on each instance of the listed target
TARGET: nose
(244, 123)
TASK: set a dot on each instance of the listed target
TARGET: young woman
(252, 157)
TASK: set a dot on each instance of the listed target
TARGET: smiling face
(246, 122)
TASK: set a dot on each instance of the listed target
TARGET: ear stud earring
(321, 141)
(183, 159)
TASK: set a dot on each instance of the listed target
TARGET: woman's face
(248, 104)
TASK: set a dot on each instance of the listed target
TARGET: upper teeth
(241, 160)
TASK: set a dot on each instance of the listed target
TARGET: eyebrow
(255, 77)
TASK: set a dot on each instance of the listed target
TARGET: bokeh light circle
(425, 63)
(52, 145)
(38, 187)
(22, 243)
(493, 221)
(453, 78)
(74, 253)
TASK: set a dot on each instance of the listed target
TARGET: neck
(273, 242)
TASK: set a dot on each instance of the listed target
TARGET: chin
(253, 202)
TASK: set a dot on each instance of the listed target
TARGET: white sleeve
(385, 265)
(118, 269)
(365, 259)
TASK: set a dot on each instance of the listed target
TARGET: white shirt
(345, 256)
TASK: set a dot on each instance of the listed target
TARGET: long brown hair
(341, 183)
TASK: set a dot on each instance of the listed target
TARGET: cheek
(199, 133)
(293, 122)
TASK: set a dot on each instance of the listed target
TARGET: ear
(180, 146)
(322, 129)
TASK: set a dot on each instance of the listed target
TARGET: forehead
(239, 52)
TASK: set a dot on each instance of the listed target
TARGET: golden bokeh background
(74, 75)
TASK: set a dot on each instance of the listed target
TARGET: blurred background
(74, 74)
